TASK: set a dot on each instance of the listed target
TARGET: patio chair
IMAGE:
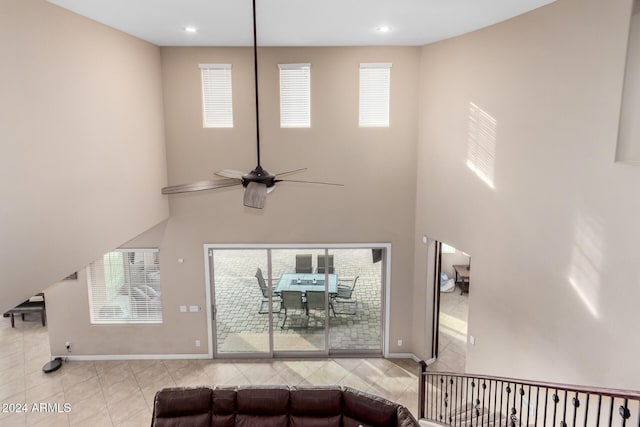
(275, 299)
(292, 300)
(304, 263)
(321, 264)
(315, 301)
(345, 296)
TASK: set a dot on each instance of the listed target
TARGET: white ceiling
(298, 22)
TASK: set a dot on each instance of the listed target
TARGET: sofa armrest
(182, 406)
(404, 418)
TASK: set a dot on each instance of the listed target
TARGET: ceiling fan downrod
(255, 72)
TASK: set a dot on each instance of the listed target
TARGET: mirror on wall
(628, 148)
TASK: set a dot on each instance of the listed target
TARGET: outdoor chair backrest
(321, 264)
(304, 263)
(292, 299)
(262, 283)
(315, 300)
(347, 291)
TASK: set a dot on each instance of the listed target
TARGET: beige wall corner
(83, 143)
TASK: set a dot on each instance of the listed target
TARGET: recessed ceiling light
(383, 29)
(190, 29)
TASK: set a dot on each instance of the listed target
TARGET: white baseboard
(403, 356)
(89, 357)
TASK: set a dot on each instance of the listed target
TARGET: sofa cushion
(316, 406)
(367, 410)
(266, 406)
(223, 407)
(182, 406)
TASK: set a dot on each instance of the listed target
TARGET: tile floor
(120, 393)
(453, 332)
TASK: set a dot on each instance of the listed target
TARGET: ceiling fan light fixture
(190, 29)
(383, 29)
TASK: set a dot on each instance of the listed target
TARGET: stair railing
(478, 400)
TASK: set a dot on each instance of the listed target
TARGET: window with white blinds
(374, 94)
(124, 287)
(217, 105)
(295, 95)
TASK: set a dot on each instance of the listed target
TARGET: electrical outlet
(399, 343)
(183, 309)
(197, 343)
(472, 340)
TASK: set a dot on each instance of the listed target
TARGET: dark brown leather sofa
(276, 406)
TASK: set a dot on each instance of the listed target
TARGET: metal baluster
(528, 404)
(535, 420)
(466, 403)
(428, 389)
(586, 410)
(513, 407)
(506, 421)
(521, 391)
(455, 414)
(472, 409)
(501, 394)
(429, 402)
(555, 406)
(484, 393)
(448, 400)
(564, 411)
(440, 412)
(491, 382)
(546, 399)
(476, 404)
(450, 418)
(576, 404)
(611, 411)
(495, 400)
(599, 407)
(624, 412)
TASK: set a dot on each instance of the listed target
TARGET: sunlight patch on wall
(481, 144)
(586, 263)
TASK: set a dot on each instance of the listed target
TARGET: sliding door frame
(211, 309)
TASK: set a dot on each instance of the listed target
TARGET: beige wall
(376, 204)
(554, 243)
(377, 166)
(83, 155)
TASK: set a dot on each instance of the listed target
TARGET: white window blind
(217, 102)
(124, 287)
(295, 95)
(374, 94)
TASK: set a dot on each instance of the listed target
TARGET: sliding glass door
(280, 300)
(241, 307)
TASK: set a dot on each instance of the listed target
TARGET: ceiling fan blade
(201, 185)
(255, 195)
(309, 182)
(290, 172)
(229, 173)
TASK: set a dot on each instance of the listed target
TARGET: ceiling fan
(256, 183)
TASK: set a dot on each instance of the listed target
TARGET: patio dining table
(306, 282)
